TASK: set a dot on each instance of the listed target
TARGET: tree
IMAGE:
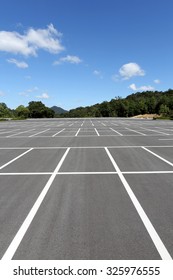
(5, 112)
(104, 109)
(22, 111)
(38, 110)
(164, 110)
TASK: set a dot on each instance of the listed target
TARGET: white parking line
(169, 129)
(84, 173)
(135, 131)
(39, 132)
(9, 131)
(25, 173)
(116, 131)
(97, 132)
(84, 147)
(156, 155)
(60, 124)
(24, 227)
(114, 124)
(147, 223)
(14, 159)
(20, 133)
(155, 131)
(166, 139)
(87, 173)
(77, 132)
(147, 172)
(58, 132)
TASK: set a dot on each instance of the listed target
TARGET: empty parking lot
(86, 189)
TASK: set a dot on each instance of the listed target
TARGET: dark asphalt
(86, 213)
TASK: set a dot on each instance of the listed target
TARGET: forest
(147, 102)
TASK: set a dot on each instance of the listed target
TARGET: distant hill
(58, 110)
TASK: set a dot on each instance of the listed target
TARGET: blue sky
(73, 53)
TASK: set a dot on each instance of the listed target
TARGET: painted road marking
(14, 159)
(9, 131)
(97, 132)
(166, 139)
(58, 132)
(77, 132)
(68, 136)
(148, 225)
(156, 155)
(83, 147)
(25, 173)
(116, 131)
(135, 131)
(20, 133)
(39, 132)
(155, 131)
(114, 124)
(85, 173)
(24, 227)
(60, 124)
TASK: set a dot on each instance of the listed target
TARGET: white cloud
(68, 59)
(115, 78)
(29, 43)
(145, 88)
(142, 88)
(15, 43)
(43, 96)
(23, 94)
(133, 87)
(32, 89)
(19, 64)
(130, 70)
(2, 93)
(98, 74)
(157, 81)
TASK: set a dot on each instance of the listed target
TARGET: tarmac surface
(86, 189)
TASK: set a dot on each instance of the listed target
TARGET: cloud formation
(130, 70)
(68, 59)
(43, 96)
(142, 88)
(28, 44)
(2, 93)
(98, 74)
(19, 64)
(30, 90)
(157, 81)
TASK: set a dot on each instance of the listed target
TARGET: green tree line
(147, 102)
(33, 110)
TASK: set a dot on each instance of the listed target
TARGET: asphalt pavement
(86, 189)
